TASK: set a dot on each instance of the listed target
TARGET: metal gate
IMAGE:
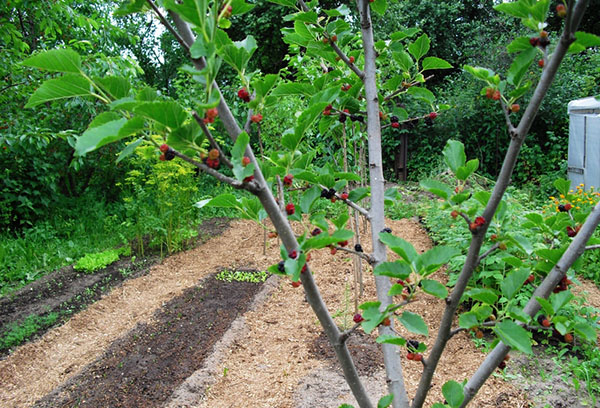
(584, 142)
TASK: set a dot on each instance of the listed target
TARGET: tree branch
(211, 139)
(590, 247)
(487, 253)
(393, 366)
(499, 189)
(362, 255)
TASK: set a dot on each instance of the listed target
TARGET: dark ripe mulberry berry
(169, 154)
(388, 230)
(342, 118)
(324, 193)
(428, 121)
(412, 345)
(316, 232)
(358, 248)
(502, 365)
(534, 41)
(164, 148)
(293, 254)
(330, 69)
(281, 266)
(394, 119)
(544, 41)
(358, 318)
(562, 208)
(353, 118)
(331, 193)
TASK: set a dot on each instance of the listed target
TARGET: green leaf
(562, 186)
(287, 3)
(306, 119)
(239, 53)
(340, 222)
(514, 336)
(379, 6)
(167, 113)
(520, 65)
(399, 246)
(386, 401)
(546, 305)
(397, 270)
(130, 7)
(438, 188)
(390, 339)
(68, 86)
(484, 74)
(586, 331)
(435, 63)
(222, 201)
(486, 296)
(560, 299)
(103, 118)
(516, 9)
(98, 136)
(237, 153)
(358, 194)
(520, 91)
(414, 323)
(513, 282)
(453, 393)
(434, 288)
(63, 60)
(192, 11)
(454, 155)
(469, 168)
(308, 199)
(423, 94)
(129, 149)
(583, 41)
(403, 59)
(436, 257)
(420, 47)
(468, 320)
(372, 316)
(241, 7)
(519, 44)
(117, 87)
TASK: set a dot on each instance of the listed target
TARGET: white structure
(584, 142)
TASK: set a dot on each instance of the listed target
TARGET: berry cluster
(290, 209)
(562, 285)
(572, 232)
(212, 160)
(210, 115)
(167, 153)
(413, 346)
(244, 95)
(479, 221)
(328, 194)
(256, 118)
(492, 93)
(565, 207)
(288, 180)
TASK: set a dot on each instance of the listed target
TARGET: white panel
(592, 156)
(576, 141)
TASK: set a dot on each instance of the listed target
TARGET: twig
(250, 186)
(488, 252)
(168, 26)
(345, 334)
(509, 125)
(364, 256)
(590, 247)
(399, 91)
(211, 139)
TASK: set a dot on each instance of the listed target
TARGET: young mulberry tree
(352, 87)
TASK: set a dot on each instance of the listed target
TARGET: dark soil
(365, 352)
(143, 368)
(67, 291)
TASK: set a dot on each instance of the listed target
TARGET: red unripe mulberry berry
(386, 321)
(293, 254)
(395, 125)
(162, 157)
(256, 118)
(248, 179)
(454, 214)
(433, 115)
(358, 318)
(418, 357)
(296, 284)
(541, 63)
(496, 96)
(245, 161)
(290, 209)
(534, 41)
(351, 59)
(561, 10)
(493, 237)
(479, 221)
(569, 338)
(344, 196)
(164, 148)
(546, 323)
(489, 92)
(334, 38)
(288, 180)
(333, 250)
(568, 206)
(244, 95)
(515, 107)
(410, 356)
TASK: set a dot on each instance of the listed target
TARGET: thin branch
(488, 252)
(364, 256)
(590, 247)
(404, 88)
(509, 125)
(211, 139)
(11, 85)
(168, 26)
(250, 186)
(352, 204)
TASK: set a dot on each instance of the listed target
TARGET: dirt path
(154, 341)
